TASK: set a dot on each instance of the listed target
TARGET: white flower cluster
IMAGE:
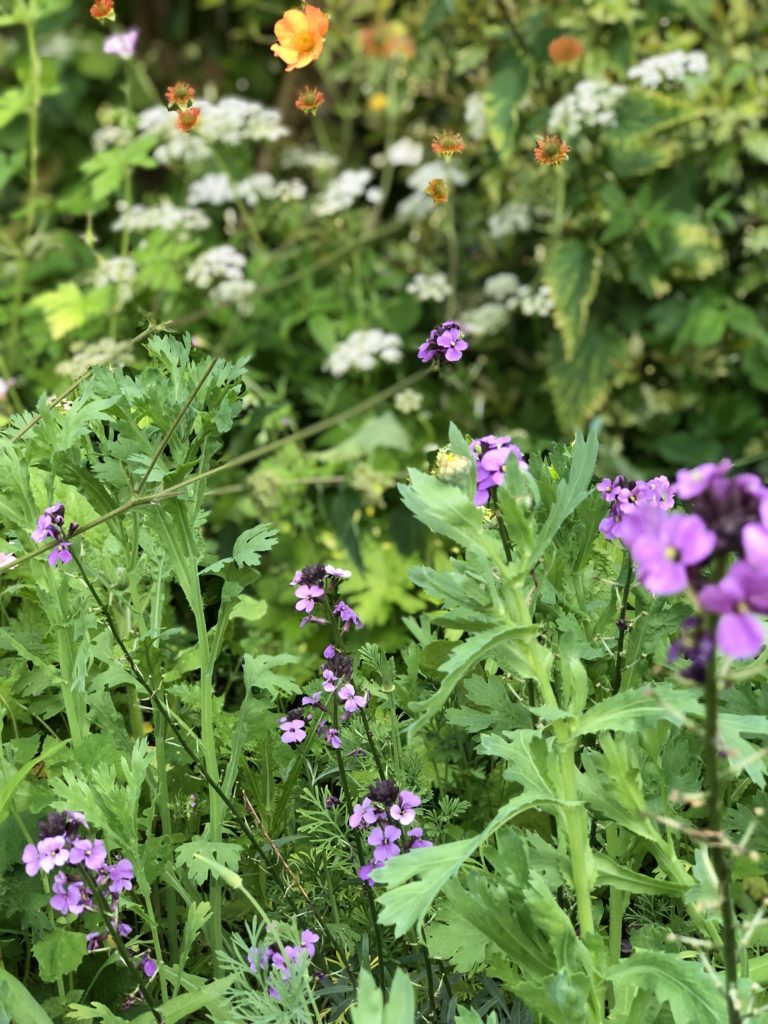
(507, 295)
(110, 136)
(220, 263)
(510, 219)
(308, 158)
(653, 72)
(362, 350)
(408, 401)
(342, 192)
(404, 152)
(230, 121)
(120, 271)
(166, 216)
(217, 189)
(475, 117)
(590, 104)
(429, 287)
(104, 352)
(221, 272)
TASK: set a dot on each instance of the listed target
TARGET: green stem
(622, 623)
(715, 825)
(35, 99)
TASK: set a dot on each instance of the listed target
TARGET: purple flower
(68, 896)
(31, 859)
(754, 539)
(352, 701)
(60, 553)
(664, 545)
(491, 454)
(122, 44)
(148, 965)
(364, 813)
(307, 596)
(742, 591)
(445, 344)
(308, 940)
(120, 876)
(330, 735)
(53, 852)
(404, 808)
(93, 853)
(294, 727)
(384, 842)
(364, 873)
(348, 617)
(625, 498)
(414, 840)
(690, 483)
(726, 503)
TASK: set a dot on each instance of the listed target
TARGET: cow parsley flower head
(671, 67)
(363, 350)
(590, 104)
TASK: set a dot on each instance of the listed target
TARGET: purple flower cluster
(61, 843)
(337, 680)
(280, 959)
(387, 811)
(50, 526)
(625, 497)
(316, 584)
(675, 551)
(491, 454)
(445, 344)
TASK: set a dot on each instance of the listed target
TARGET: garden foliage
(320, 700)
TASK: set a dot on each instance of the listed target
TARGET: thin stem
(716, 845)
(430, 984)
(35, 99)
(622, 624)
(374, 749)
(117, 938)
(503, 533)
(176, 421)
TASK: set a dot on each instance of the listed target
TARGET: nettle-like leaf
(572, 272)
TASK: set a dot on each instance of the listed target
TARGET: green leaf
(439, 11)
(226, 854)
(570, 492)
(63, 309)
(9, 787)
(633, 709)
(619, 877)
(683, 984)
(17, 1001)
(572, 272)
(460, 663)
(107, 170)
(250, 545)
(179, 1009)
(59, 952)
(506, 88)
(579, 387)
(370, 1008)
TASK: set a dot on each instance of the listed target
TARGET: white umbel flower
(510, 219)
(220, 263)
(429, 287)
(165, 216)
(673, 66)
(591, 103)
(362, 350)
(342, 192)
(404, 152)
(235, 293)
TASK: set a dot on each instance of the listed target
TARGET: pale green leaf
(572, 272)
(59, 952)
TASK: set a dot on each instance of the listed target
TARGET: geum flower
(550, 150)
(742, 591)
(300, 36)
(665, 545)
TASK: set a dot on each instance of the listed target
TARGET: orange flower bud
(180, 95)
(300, 36)
(187, 119)
(103, 10)
(563, 49)
(447, 143)
(550, 150)
(437, 190)
(309, 100)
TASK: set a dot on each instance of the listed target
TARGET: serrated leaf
(226, 854)
(683, 984)
(63, 309)
(251, 544)
(59, 952)
(628, 711)
(572, 272)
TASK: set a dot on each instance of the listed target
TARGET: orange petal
(318, 20)
(286, 53)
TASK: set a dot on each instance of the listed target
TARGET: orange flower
(437, 190)
(180, 95)
(550, 149)
(563, 49)
(103, 10)
(387, 39)
(447, 143)
(187, 119)
(309, 100)
(300, 36)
